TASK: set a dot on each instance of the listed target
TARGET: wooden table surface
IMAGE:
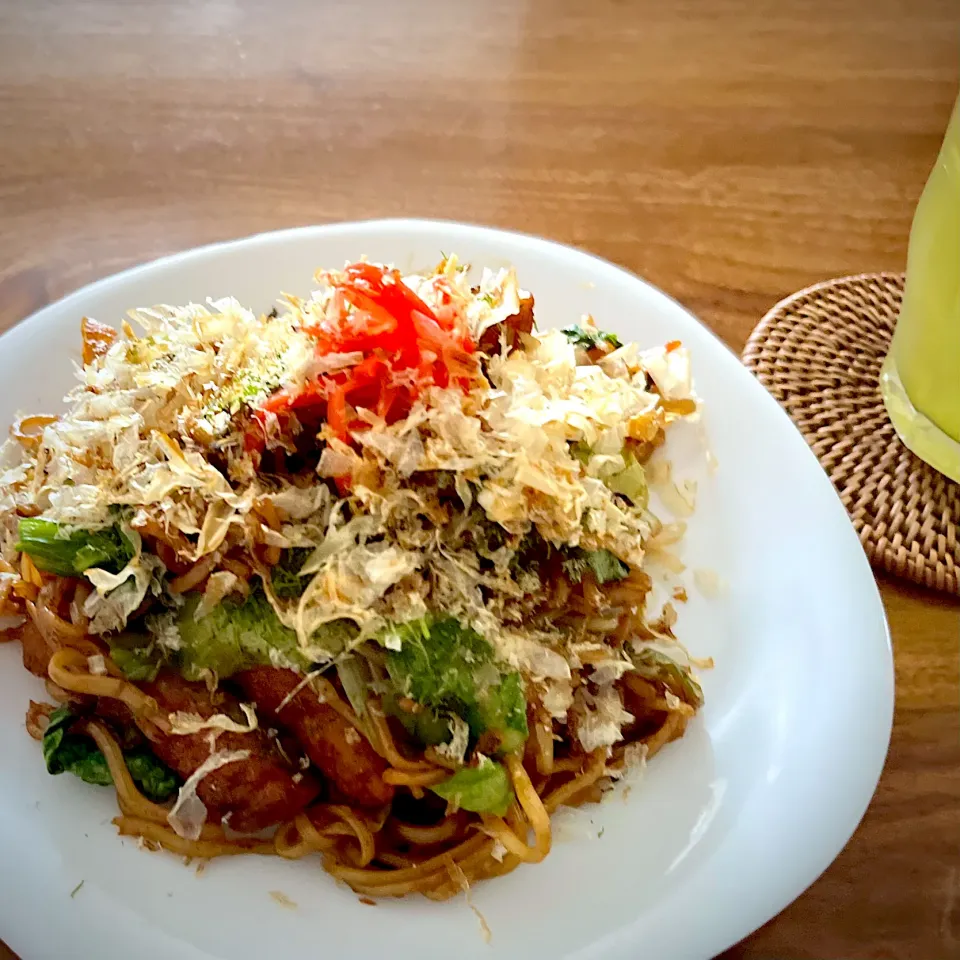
(731, 151)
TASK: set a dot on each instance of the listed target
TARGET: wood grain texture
(731, 151)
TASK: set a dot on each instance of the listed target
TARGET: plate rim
(883, 724)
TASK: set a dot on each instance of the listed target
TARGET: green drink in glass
(920, 379)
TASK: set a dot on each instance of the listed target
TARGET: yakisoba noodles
(368, 577)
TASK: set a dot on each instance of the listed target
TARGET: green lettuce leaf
(68, 555)
(482, 789)
(73, 753)
(65, 752)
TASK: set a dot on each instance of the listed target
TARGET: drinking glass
(920, 378)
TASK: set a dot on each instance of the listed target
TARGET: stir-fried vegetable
(503, 710)
(631, 481)
(137, 656)
(235, 635)
(432, 660)
(601, 563)
(590, 338)
(444, 666)
(65, 752)
(426, 726)
(656, 666)
(482, 789)
(157, 781)
(69, 554)
(537, 555)
(285, 576)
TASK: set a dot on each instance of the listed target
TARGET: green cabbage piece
(138, 664)
(582, 451)
(590, 339)
(155, 780)
(503, 709)
(135, 654)
(482, 789)
(69, 554)
(437, 660)
(355, 677)
(604, 565)
(65, 752)
(534, 552)
(631, 481)
(426, 727)
(285, 575)
(449, 668)
(658, 667)
(235, 635)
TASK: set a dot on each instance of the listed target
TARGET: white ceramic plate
(726, 827)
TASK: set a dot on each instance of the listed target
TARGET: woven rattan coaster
(819, 353)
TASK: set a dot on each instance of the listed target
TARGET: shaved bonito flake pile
(388, 450)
